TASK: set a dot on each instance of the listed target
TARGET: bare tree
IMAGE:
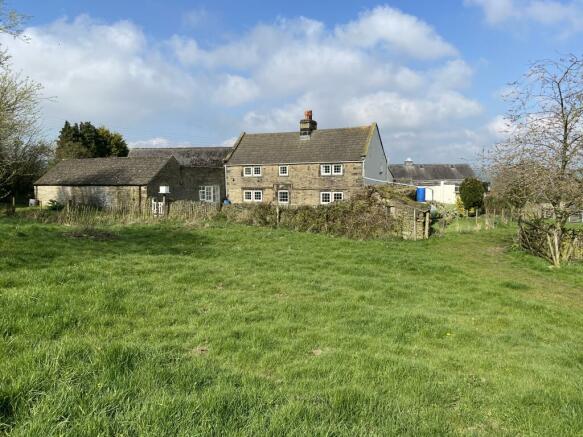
(543, 155)
(10, 21)
(22, 154)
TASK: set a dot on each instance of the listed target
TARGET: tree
(10, 21)
(83, 140)
(544, 149)
(116, 144)
(23, 156)
(472, 193)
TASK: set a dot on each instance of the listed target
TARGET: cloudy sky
(180, 72)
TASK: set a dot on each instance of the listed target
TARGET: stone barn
(202, 169)
(109, 182)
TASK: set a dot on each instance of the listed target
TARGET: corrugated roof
(104, 171)
(325, 145)
(431, 172)
(186, 156)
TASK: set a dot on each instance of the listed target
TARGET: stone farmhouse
(305, 167)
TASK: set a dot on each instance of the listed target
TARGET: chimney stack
(307, 125)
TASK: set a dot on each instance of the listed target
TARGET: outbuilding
(109, 182)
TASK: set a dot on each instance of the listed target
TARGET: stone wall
(192, 178)
(414, 223)
(91, 195)
(304, 182)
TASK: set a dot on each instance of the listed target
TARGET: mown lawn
(229, 329)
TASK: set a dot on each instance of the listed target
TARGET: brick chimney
(307, 125)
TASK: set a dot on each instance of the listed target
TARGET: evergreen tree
(116, 144)
(84, 140)
(472, 193)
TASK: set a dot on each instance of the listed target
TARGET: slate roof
(186, 156)
(325, 145)
(104, 171)
(431, 172)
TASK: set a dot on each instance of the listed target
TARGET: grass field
(227, 329)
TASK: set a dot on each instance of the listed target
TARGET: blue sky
(182, 72)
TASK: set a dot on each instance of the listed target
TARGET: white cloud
(496, 11)
(499, 127)
(568, 15)
(229, 142)
(384, 66)
(395, 111)
(98, 71)
(397, 31)
(152, 142)
(235, 90)
(454, 74)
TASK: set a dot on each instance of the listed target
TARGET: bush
(366, 215)
(472, 193)
(55, 205)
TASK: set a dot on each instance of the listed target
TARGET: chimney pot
(307, 125)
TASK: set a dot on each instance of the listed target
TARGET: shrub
(55, 205)
(472, 193)
(366, 215)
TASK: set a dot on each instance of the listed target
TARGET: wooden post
(426, 233)
(414, 224)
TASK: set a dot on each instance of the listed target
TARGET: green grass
(229, 329)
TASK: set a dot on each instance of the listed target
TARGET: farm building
(108, 181)
(440, 182)
(431, 174)
(306, 167)
(202, 169)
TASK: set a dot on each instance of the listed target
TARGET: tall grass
(89, 216)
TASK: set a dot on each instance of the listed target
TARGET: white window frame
(332, 195)
(286, 170)
(208, 193)
(253, 194)
(279, 199)
(332, 169)
(252, 171)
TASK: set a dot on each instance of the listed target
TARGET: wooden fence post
(427, 222)
(414, 224)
